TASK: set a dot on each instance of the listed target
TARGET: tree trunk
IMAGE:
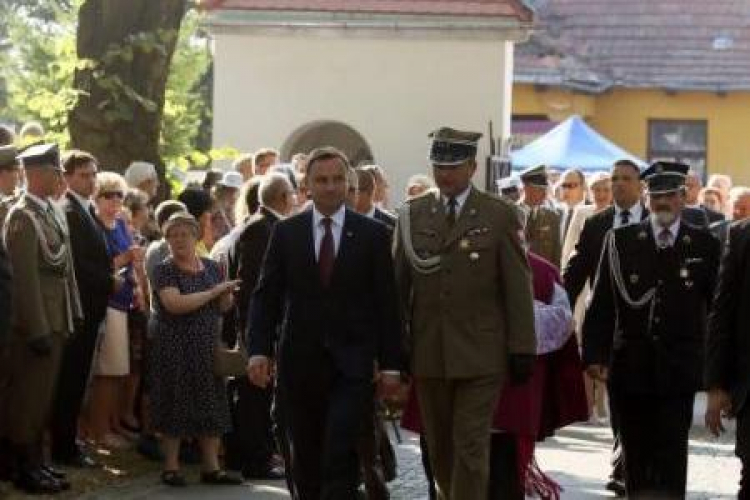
(130, 45)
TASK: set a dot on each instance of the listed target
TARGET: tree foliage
(38, 42)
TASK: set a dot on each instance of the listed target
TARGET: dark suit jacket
(247, 252)
(713, 215)
(354, 322)
(696, 217)
(657, 348)
(386, 218)
(728, 346)
(6, 292)
(583, 262)
(93, 266)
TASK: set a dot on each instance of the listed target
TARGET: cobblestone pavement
(578, 458)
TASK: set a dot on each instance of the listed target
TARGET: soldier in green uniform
(46, 304)
(543, 231)
(465, 288)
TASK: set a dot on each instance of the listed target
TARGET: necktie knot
(326, 221)
(625, 217)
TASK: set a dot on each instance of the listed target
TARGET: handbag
(230, 362)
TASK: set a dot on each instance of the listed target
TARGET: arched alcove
(328, 133)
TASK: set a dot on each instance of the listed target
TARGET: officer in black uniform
(644, 332)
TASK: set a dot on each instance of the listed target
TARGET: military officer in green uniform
(542, 231)
(46, 304)
(465, 287)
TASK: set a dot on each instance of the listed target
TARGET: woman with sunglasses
(112, 363)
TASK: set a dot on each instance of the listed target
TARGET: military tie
(624, 217)
(326, 256)
(665, 238)
(53, 218)
(452, 206)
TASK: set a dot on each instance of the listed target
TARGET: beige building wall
(392, 87)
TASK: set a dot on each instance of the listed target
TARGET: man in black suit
(582, 265)
(251, 443)
(328, 285)
(365, 204)
(644, 333)
(94, 272)
(728, 347)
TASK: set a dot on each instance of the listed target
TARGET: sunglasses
(570, 185)
(109, 195)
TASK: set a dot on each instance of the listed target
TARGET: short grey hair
(738, 192)
(272, 187)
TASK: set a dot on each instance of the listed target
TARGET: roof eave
(239, 20)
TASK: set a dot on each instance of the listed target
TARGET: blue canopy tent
(571, 144)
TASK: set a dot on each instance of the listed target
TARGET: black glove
(520, 367)
(41, 346)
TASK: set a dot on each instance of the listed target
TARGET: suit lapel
(348, 238)
(307, 247)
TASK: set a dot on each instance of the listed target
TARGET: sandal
(220, 477)
(173, 478)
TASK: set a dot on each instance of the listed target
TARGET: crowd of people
(261, 322)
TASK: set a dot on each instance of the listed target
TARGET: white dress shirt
(674, 230)
(319, 230)
(636, 214)
(460, 201)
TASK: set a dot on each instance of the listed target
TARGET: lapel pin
(642, 235)
(634, 279)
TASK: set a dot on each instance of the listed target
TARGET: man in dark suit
(327, 284)
(93, 269)
(251, 442)
(644, 333)
(582, 265)
(365, 204)
(728, 347)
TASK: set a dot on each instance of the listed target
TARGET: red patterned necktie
(326, 256)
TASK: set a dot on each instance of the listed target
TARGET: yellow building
(625, 116)
(644, 81)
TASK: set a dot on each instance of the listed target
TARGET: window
(679, 140)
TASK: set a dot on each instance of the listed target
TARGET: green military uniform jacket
(45, 305)
(543, 232)
(469, 312)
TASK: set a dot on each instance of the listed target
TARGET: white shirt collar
(674, 228)
(460, 199)
(275, 213)
(371, 213)
(337, 218)
(85, 202)
(636, 212)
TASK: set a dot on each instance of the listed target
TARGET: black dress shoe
(57, 476)
(55, 473)
(36, 482)
(617, 487)
(272, 472)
